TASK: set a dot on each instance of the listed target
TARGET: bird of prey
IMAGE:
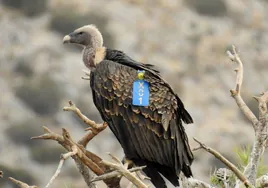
(141, 109)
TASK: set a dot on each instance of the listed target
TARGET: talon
(127, 163)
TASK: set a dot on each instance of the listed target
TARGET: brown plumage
(150, 135)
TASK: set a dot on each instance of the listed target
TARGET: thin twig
(115, 174)
(49, 135)
(63, 158)
(84, 159)
(21, 184)
(230, 165)
(235, 93)
(95, 128)
(80, 158)
(91, 133)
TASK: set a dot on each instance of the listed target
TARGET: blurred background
(186, 39)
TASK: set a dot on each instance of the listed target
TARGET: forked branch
(120, 168)
(95, 128)
(235, 93)
(225, 161)
(260, 125)
(78, 154)
(87, 162)
(261, 136)
(63, 158)
(116, 174)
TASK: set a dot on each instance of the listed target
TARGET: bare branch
(21, 184)
(261, 136)
(91, 134)
(239, 70)
(262, 100)
(63, 158)
(235, 93)
(84, 159)
(95, 128)
(260, 126)
(117, 165)
(67, 142)
(49, 135)
(230, 165)
(81, 153)
(115, 174)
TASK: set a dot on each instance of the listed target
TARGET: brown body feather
(149, 135)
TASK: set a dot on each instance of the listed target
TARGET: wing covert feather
(158, 124)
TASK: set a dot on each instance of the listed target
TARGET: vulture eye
(80, 33)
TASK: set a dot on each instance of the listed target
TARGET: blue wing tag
(140, 93)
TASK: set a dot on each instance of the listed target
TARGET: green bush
(243, 156)
(42, 94)
(66, 20)
(208, 7)
(28, 7)
(18, 173)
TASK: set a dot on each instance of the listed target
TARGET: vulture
(140, 107)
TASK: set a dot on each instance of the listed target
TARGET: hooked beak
(66, 39)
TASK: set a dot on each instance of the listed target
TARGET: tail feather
(187, 170)
(153, 171)
(186, 117)
(168, 173)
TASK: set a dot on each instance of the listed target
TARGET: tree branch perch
(235, 93)
(117, 165)
(260, 125)
(225, 161)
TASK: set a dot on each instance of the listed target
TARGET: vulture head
(91, 39)
(86, 36)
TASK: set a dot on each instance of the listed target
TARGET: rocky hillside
(185, 39)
